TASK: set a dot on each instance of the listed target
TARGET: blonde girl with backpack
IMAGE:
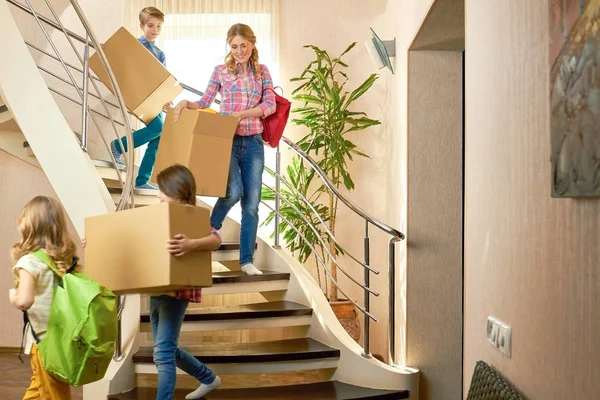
(42, 225)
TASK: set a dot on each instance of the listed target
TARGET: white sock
(250, 269)
(204, 389)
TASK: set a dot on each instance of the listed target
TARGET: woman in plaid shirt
(241, 82)
(177, 184)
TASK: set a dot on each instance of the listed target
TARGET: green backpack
(82, 330)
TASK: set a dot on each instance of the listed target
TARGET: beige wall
(435, 200)
(531, 260)
(380, 180)
(320, 30)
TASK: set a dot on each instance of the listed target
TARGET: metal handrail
(361, 308)
(312, 208)
(331, 257)
(95, 79)
(381, 225)
(60, 78)
(72, 100)
(82, 94)
(86, 73)
(49, 22)
(33, 46)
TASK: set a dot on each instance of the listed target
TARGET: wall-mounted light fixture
(381, 51)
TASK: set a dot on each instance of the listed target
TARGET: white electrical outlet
(504, 339)
(499, 335)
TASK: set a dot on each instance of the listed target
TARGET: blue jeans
(245, 184)
(151, 135)
(166, 317)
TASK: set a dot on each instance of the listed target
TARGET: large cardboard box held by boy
(145, 83)
(126, 250)
(202, 142)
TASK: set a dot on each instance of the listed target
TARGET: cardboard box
(126, 251)
(145, 83)
(202, 142)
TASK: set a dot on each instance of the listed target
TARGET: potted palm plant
(328, 114)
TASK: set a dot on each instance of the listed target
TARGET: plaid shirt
(194, 295)
(240, 93)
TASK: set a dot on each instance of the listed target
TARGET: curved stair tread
(332, 390)
(240, 276)
(228, 246)
(301, 349)
(246, 311)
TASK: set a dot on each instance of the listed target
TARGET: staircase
(269, 336)
(256, 356)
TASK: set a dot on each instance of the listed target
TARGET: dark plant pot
(348, 316)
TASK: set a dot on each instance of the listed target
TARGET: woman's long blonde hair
(246, 32)
(42, 224)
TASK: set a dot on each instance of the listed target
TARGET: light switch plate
(499, 335)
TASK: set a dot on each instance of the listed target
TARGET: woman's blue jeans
(244, 183)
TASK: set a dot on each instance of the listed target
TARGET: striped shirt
(194, 295)
(45, 281)
(241, 92)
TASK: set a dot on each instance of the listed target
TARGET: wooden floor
(15, 376)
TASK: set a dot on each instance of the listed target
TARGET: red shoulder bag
(274, 124)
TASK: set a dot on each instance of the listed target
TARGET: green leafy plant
(327, 114)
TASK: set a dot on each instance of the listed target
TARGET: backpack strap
(46, 259)
(25, 322)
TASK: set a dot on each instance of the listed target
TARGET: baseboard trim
(8, 350)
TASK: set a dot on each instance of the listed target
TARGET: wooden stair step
(275, 351)
(240, 277)
(314, 391)
(231, 282)
(247, 311)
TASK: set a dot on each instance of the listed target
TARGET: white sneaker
(117, 155)
(146, 189)
(250, 269)
(203, 390)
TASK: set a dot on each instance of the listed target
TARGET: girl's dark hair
(178, 182)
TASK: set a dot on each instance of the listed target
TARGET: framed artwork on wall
(575, 97)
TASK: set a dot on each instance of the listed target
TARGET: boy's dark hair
(178, 182)
(151, 12)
